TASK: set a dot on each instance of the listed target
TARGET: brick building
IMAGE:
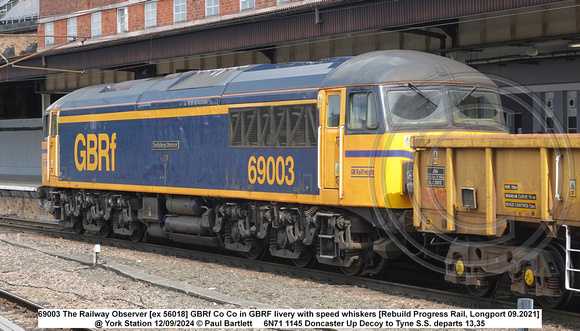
(100, 24)
(527, 42)
(107, 20)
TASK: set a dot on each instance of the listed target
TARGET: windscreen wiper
(414, 88)
(467, 95)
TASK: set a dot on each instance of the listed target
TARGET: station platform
(24, 197)
(20, 185)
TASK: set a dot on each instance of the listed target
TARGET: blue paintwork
(203, 160)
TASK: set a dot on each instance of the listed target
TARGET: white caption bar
(290, 318)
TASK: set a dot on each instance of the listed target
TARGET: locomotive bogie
(102, 212)
(532, 272)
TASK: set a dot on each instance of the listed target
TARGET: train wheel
(137, 234)
(355, 269)
(257, 252)
(78, 225)
(106, 231)
(305, 260)
(555, 302)
(487, 290)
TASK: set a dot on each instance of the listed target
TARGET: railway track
(18, 310)
(434, 288)
(21, 311)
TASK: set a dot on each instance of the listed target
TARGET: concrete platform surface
(20, 182)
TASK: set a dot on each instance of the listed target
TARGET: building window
(246, 4)
(96, 29)
(71, 28)
(179, 11)
(122, 20)
(49, 31)
(150, 14)
(212, 7)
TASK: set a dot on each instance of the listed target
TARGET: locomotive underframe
(331, 236)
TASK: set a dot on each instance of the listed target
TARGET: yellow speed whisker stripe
(266, 196)
(168, 113)
(145, 114)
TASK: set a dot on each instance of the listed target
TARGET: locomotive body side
(181, 151)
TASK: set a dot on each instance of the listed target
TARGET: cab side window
(45, 125)
(54, 125)
(333, 111)
(363, 111)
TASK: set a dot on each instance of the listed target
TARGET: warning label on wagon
(436, 177)
(518, 200)
(519, 196)
(524, 205)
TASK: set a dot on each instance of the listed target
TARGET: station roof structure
(263, 29)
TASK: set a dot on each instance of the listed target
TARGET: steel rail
(23, 302)
(27, 304)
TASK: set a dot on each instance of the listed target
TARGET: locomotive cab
(366, 125)
(371, 108)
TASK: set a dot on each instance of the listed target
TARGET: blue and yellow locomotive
(307, 161)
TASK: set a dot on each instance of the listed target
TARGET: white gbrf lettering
(95, 152)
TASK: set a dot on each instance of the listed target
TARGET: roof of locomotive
(400, 66)
(267, 82)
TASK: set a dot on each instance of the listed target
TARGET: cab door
(331, 148)
(53, 146)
